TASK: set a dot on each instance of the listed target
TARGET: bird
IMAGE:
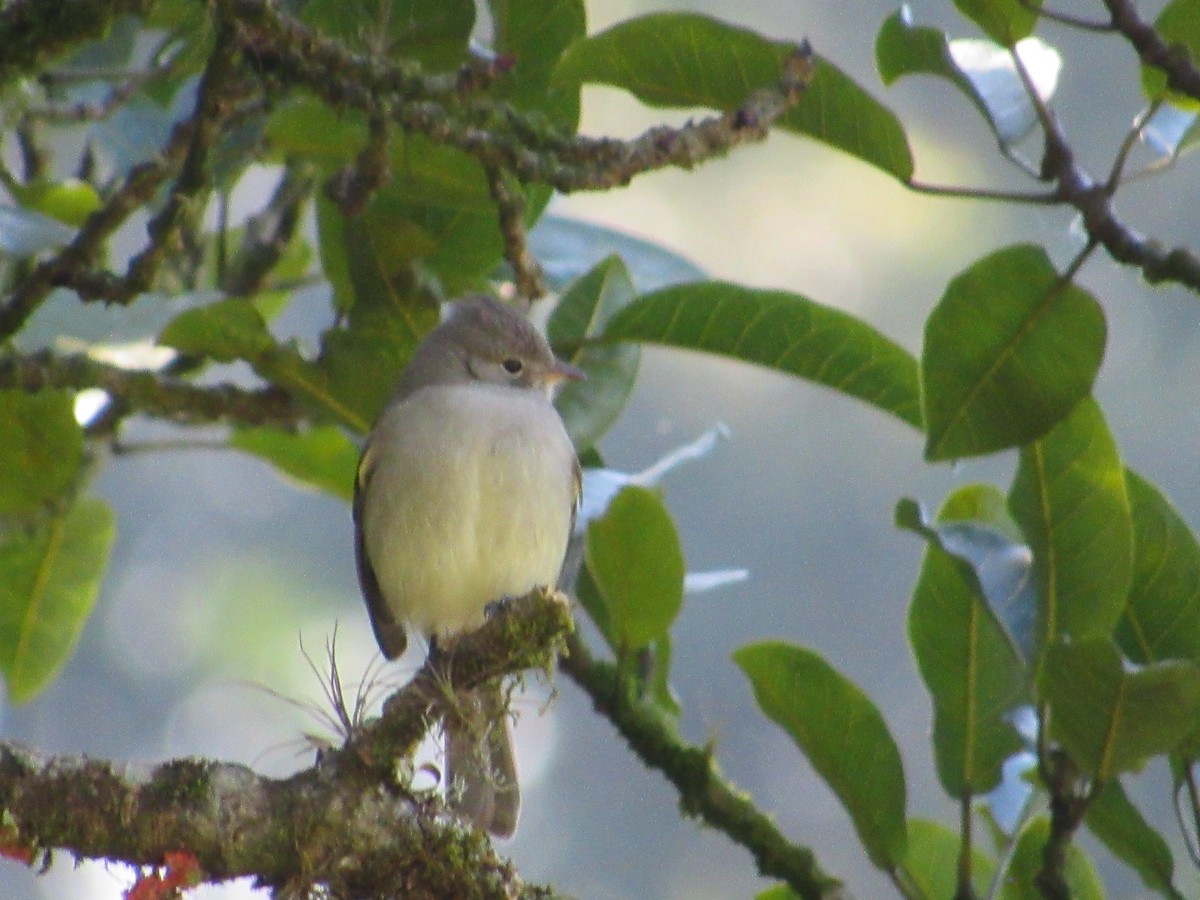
(466, 495)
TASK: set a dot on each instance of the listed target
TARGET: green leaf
(312, 385)
(590, 407)
(983, 71)
(433, 32)
(779, 330)
(357, 373)
(1161, 618)
(322, 457)
(1009, 350)
(70, 200)
(843, 735)
(304, 127)
(634, 557)
(690, 60)
(440, 206)
(1179, 25)
(1020, 879)
(968, 663)
(1005, 21)
(932, 862)
(535, 33)
(1127, 835)
(1069, 498)
(49, 577)
(41, 449)
(226, 330)
(777, 892)
(1111, 718)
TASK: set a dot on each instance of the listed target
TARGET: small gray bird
(466, 495)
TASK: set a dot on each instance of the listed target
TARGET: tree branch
(703, 792)
(149, 393)
(1181, 71)
(494, 133)
(360, 832)
(1077, 188)
(32, 32)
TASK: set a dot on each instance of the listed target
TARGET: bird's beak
(563, 371)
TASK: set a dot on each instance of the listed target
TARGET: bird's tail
(481, 770)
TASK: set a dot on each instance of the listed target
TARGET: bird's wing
(389, 633)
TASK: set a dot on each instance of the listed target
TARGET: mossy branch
(345, 823)
(703, 792)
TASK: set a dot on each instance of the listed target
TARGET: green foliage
(783, 331)
(41, 450)
(932, 860)
(1009, 351)
(1069, 498)
(843, 735)
(966, 659)
(636, 564)
(688, 60)
(1161, 617)
(50, 573)
(1120, 825)
(1179, 25)
(1005, 21)
(591, 406)
(1126, 715)
(323, 457)
(1070, 598)
(1020, 882)
(224, 331)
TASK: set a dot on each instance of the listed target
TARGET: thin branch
(220, 86)
(1181, 70)
(1078, 189)
(150, 394)
(32, 33)
(510, 207)
(1131, 138)
(352, 187)
(1068, 19)
(496, 134)
(268, 232)
(965, 888)
(70, 267)
(966, 193)
(703, 792)
(129, 84)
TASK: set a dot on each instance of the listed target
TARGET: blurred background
(222, 570)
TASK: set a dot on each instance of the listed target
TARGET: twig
(70, 266)
(703, 792)
(494, 133)
(352, 187)
(215, 102)
(268, 232)
(1181, 70)
(1077, 188)
(1067, 19)
(150, 394)
(510, 207)
(32, 33)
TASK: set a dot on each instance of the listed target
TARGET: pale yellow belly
(469, 506)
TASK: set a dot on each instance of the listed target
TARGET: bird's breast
(470, 502)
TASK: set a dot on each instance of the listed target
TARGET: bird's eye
(513, 366)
